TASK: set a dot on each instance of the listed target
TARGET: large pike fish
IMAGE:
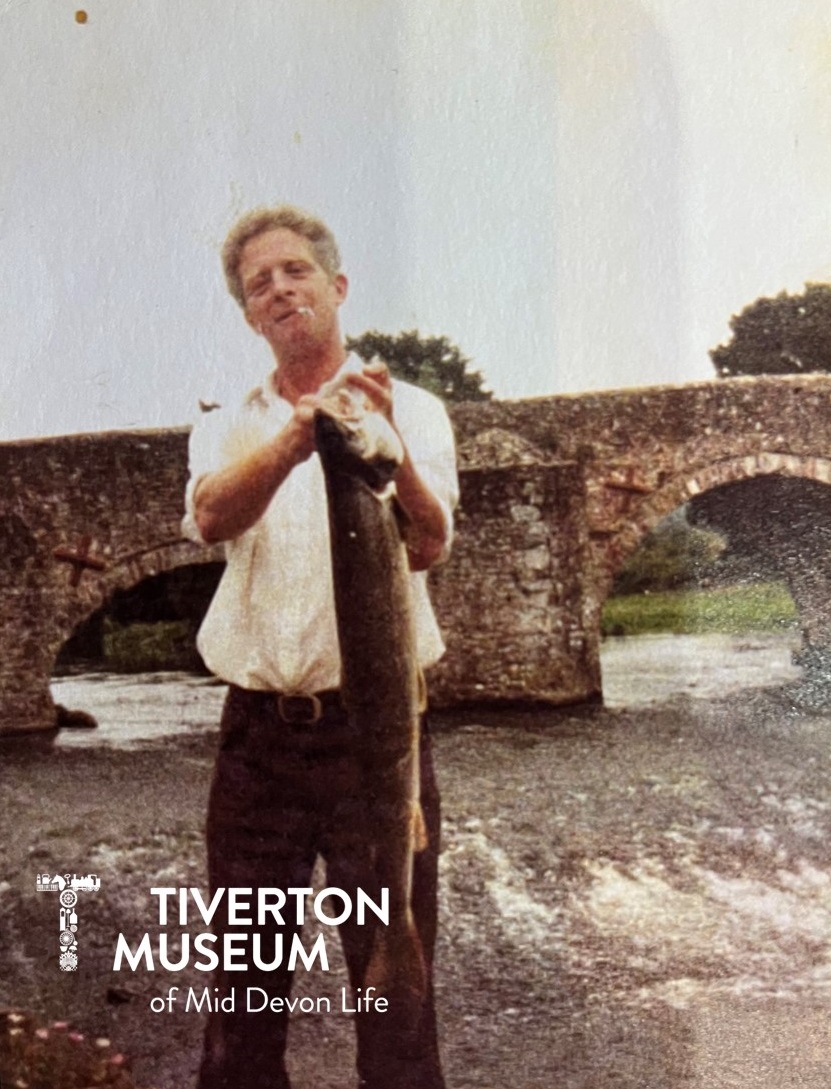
(360, 453)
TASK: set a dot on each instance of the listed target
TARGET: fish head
(355, 439)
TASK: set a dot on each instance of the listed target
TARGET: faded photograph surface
(596, 237)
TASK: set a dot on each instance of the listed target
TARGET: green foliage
(787, 334)
(672, 555)
(431, 362)
(145, 648)
(735, 609)
(165, 610)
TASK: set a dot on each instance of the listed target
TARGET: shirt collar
(351, 365)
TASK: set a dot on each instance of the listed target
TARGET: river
(648, 670)
(636, 895)
(641, 671)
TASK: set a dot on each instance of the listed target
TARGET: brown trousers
(281, 795)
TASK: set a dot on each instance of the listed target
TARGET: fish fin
(421, 681)
(419, 829)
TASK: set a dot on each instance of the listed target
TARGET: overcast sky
(577, 192)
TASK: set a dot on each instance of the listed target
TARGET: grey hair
(261, 220)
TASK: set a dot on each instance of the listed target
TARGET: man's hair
(260, 220)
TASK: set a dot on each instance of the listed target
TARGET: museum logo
(67, 886)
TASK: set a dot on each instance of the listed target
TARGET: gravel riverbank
(630, 898)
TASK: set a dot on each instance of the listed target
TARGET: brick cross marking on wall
(80, 558)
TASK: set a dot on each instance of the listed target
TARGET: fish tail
(398, 971)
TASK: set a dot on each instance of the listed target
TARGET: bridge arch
(678, 490)
(127, 572)
(537, 544)
(796, 548)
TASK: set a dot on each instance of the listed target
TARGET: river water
(636, 895)
(642, 671)
(648, 670)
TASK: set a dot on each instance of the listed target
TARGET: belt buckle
(299, 708)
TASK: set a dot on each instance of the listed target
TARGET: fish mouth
(348, 447)
(355, 438)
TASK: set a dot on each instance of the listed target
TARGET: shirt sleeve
(207, 440)
(425, 427)
(220, 438)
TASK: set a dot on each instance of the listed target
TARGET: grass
(738, 609)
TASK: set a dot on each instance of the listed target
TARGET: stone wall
(82, 516)
(86, 515)
(555, 493)
(511, 599)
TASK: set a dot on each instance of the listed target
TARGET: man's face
(288, 296)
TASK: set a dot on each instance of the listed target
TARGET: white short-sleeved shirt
(271, 624)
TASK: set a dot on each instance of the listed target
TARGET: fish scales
(380, 688)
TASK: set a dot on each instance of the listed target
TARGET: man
(286, 785)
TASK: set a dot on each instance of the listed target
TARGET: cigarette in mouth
(307, 310)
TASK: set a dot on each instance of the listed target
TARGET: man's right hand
(299, 431)
(230, 501)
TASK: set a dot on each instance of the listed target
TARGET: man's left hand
(374, 380)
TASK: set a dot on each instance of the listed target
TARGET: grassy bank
(737, 609)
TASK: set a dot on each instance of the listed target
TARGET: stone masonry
(556, 492)
(83, 516)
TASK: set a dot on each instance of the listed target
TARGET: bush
(145, 648)
(672, 555)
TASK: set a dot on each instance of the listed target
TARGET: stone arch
(127, 571)
(684, 486)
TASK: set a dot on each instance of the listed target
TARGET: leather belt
(305, 709)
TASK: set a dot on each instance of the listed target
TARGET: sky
(578, 193)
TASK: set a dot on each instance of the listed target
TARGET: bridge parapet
(645, 452)
(555, 493)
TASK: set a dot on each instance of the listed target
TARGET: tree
(787, 334)
(782, 526)
(432, 362)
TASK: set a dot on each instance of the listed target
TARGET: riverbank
(637, 898)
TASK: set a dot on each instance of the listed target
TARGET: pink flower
(42, 1033)
(76, 1037)
(117, 1060)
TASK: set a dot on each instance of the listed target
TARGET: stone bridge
(556, 492)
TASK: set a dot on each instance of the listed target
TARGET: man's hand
(374, 380)
(300, 430)
(231, 500)
(425, 533)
